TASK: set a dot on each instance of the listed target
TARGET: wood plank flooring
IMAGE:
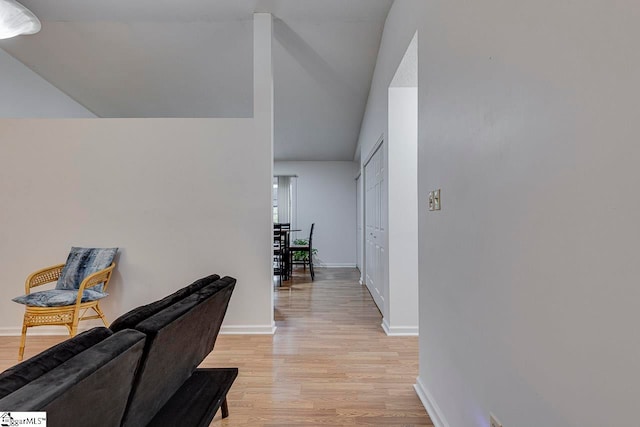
(329, 363)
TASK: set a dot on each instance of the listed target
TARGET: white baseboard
(436, 415)
(248, 330)
(399, 331)
(16, 331)
(336, 265)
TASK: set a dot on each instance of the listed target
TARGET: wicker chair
(64, 315)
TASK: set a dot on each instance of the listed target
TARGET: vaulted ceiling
(193, 58)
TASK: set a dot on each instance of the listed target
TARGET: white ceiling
(193, 58)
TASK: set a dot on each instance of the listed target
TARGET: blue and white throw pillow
(81, 263)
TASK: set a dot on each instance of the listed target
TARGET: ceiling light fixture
(16, 20)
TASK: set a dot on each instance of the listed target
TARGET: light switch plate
(431, 202)
(436, 201)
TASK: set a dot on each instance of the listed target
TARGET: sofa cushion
(82, 262)
(58, 297)
(130, 319)
(178, 339)
(23, 373)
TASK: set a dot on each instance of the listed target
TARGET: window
(284, 199)
(274, 199)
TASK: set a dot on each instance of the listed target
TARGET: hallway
(329, 362)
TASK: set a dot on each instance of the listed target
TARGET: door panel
(359, 230)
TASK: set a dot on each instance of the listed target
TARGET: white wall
(528, 278)
(401, 315)
(166, 191)
(174, 195)
(26, 94)
(326, 197)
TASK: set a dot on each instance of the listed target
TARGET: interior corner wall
(326, 196)
(528, 278)
(174, 195)
(24, 94)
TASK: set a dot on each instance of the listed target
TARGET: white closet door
(359, 229)
(375, 227)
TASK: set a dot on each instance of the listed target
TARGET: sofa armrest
(31, 369)
(89, 389)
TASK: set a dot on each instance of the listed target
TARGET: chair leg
(101, 314)
(73, 327)
(225, 408)
(68, 326)
(23, 341)
(311, 266)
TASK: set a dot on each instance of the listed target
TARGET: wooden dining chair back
(307, 251)
(285, 229)
(81, 283)
(279, 252)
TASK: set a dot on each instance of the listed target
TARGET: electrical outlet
(493, 421)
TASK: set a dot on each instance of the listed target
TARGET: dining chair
(279, 252)
(307, 252)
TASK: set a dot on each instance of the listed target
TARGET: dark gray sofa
(83, 381)
(141, 371)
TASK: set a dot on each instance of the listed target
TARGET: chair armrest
(102, 276)
(42, 277)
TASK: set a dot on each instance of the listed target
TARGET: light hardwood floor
(328, 364)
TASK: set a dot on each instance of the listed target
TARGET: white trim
(337, 265)
(385, 326)
(399, 331)
(436, 415)
(373, 150)
(248, 330)
(16, 331)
